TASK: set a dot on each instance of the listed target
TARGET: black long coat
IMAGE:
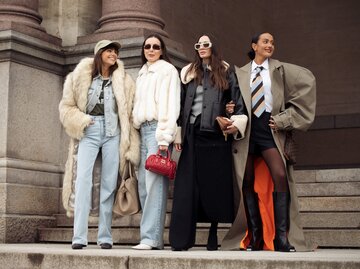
(203, 190)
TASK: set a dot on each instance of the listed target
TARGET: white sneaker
(142, 247)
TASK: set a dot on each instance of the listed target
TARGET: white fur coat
(73, 116)
(158, 98)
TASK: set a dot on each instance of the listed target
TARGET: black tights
(276, 166)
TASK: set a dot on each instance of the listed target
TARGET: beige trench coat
(293, 108)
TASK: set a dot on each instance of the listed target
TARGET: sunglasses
(154, 47)
(205, 45)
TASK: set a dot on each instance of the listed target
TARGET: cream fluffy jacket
(73, 116)
(158, 98)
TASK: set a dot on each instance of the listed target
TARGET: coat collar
(82, 80)
(153, 68)
(277, 85)
(186, 78)
(84, 69)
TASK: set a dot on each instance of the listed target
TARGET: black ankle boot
(281, 207)
(212, 243)
(253, 220)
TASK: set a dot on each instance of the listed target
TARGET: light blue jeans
(153, 190)
(89, 147)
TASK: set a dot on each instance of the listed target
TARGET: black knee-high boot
(281, 209)
(212, 243)
(254, 222)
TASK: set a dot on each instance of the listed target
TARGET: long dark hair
(164, 54)
(254, 40)
(97, 64)
(218, 74)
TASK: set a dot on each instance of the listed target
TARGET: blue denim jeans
(89, 147)
(153, 190)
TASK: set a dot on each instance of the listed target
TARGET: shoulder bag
(127, 197)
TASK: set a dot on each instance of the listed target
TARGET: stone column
(21, 11)
(68, 19)
(31, 77)
(23, 16)
(131, 15)
(129, 22)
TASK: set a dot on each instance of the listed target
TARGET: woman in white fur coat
(95, 111)
(156, 109)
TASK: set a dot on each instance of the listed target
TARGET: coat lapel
(277, 86)
(243, 75)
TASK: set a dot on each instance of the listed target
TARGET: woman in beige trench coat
(290, 98)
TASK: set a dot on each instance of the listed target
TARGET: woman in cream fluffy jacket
(156, 109)
(95, 111)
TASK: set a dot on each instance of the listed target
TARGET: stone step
(120, 236)
(320, 237)
(126, 221)
(329, 204)
(316, 204)
(61, 256)
(309, 220)
(334, 237)
(334, 220)
(327, 175)
(329, 189)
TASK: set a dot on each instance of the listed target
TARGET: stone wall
(319, 35)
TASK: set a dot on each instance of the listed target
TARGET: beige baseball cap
(104, 43)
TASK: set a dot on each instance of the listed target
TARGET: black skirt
(261, 137)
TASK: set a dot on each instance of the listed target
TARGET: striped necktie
(257, 93)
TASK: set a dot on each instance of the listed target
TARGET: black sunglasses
(154, 46)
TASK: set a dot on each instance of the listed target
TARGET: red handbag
(162, 165)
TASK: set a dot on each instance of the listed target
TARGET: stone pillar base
(23, 229)
(31, 193)
(29, 31)
(31, 137)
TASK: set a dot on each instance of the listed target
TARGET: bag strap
(128, 170)
(131, 168)
(167, 154)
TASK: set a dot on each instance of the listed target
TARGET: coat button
(235, 151)
(204, 106)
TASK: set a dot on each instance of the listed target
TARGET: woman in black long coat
(203, 190)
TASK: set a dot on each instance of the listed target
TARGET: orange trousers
(264, 187)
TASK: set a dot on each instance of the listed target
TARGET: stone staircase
(329, 206)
